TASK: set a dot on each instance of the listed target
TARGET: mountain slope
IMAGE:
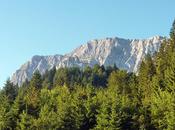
(125, 53)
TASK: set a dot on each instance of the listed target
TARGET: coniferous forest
(98, 98)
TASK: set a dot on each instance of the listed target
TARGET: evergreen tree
(146, 73)
(95, 98)
(172, 31)
(49, 78)
(170, 70)
(61, 77)
(36, 80)
(25, 121)
(163, 110)
(117, 81)
(32, 101)
(4, 110)
(10, 90)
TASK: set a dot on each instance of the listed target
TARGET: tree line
(97, 98)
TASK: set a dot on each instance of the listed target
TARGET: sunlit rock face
(125, 53)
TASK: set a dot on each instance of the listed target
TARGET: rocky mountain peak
(125, 53)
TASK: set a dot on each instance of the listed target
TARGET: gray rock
(125, 53)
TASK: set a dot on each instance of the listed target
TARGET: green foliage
(25, 121)
(10, 90)
(118, 81)
(49, 78)
(4, 112)
(36, 80)
(146, 73)
(163, 110)
(172, 31)
(97, 98)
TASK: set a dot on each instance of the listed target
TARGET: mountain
(125, 53)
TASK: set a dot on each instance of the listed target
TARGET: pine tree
(172, 31)
(36, 80)
(103, 116)
(10, 90)
(170, 70)
(49, 78)
(117, 81)
(4, 112)
(25, 121)
(61, 77)
(163, 110)
(146, 73)
(32, 101)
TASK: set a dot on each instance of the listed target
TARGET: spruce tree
(36, 80)
(146, 73)
(172, 31)
(10, 90)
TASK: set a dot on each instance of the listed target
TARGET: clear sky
(47, 27)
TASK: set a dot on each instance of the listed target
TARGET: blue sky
(47, 27)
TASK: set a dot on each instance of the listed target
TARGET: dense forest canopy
(95, 98)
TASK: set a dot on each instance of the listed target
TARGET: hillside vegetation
(98, 98)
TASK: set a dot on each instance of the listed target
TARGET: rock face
(125, 53)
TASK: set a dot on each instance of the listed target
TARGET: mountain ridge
(125, 53)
